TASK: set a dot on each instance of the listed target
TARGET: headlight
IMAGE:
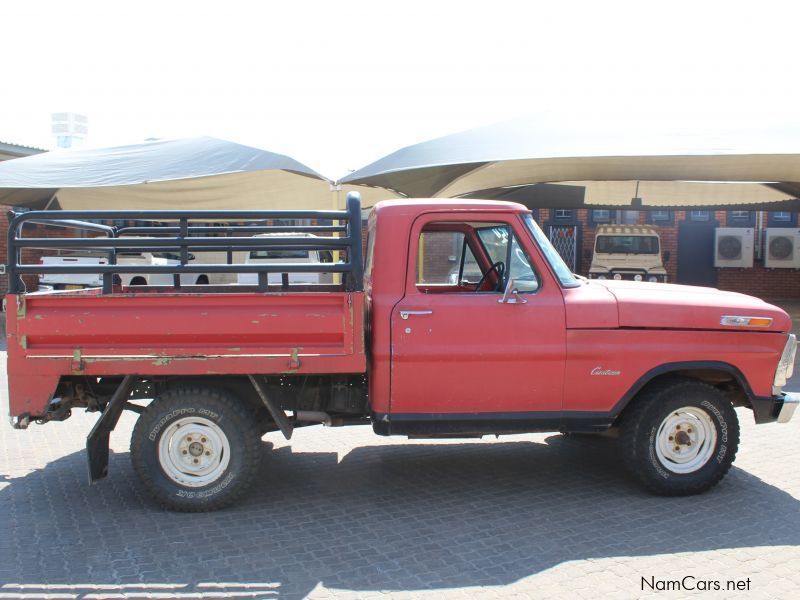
(786, 365)
(617, 276)
(652, 279)
(637, 277)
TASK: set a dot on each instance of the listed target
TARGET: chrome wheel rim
(686, 439)
(194, 452)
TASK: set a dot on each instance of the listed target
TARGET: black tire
(641, 427)
(202, 280)
(214, 411)
(138, 281)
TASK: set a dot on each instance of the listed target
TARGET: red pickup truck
(463, 321)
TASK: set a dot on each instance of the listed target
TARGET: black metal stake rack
(181, 237)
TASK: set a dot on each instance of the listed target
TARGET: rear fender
(31, 394)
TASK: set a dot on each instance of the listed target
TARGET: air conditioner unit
(733, 247)
(782, 248)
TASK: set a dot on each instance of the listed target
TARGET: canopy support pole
(51, 201)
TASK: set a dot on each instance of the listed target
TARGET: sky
(337, 85)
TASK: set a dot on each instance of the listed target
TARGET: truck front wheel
(680, 437)
(196, 449)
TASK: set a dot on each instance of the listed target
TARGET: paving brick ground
(342, 513)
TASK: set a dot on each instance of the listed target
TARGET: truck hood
(665, 306)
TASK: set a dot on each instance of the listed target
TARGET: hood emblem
(606, 372)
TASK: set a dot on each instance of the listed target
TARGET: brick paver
(343, 513)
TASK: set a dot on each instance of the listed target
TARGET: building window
(741, 218)
(601, 216)
(289, 222)
(562, 214)
(659, 216)
(781, 219)
(630, 217)
(699, 215)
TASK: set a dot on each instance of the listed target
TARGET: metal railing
(180, 237)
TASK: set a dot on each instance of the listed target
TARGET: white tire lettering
(653, 458)
(720, 419)
(206, 493)
(163, 421)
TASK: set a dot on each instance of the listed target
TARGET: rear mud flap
(97, 440)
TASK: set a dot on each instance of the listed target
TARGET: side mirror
(667, 255)
(511, 294)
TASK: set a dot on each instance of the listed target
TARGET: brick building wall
(3, 249)
(758, 280)
(10, 152)
(29, 255)
(779, 284)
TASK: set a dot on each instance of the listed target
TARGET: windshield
(627, 244)
(561, 269)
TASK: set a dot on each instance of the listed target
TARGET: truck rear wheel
(680, 437)
(196, 449)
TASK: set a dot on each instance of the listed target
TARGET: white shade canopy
(643, 194)
(196, 173)
(537, 150)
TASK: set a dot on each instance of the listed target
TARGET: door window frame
(490, 219)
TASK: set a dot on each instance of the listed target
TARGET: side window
(444, 258)
(521, 270)
(495, 242)
(503, 247)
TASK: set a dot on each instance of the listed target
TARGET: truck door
(459, 353)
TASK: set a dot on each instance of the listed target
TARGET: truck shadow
(409, 516)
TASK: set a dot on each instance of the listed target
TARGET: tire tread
(635, 419)
(226, 403)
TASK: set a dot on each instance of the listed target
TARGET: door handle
(404, 314)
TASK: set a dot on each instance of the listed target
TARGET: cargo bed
(197, 330)
(86, 333)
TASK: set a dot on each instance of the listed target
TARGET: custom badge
(606, 372)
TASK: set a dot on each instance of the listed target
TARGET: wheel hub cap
(194, 451)
(686, 440)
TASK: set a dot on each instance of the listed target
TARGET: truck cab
(631, 252)
(459, 259)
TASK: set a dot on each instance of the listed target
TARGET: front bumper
(788, 406)
(774, 409)
(629, 275)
